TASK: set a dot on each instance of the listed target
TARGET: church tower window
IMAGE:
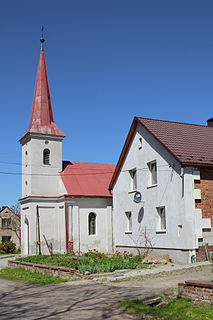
(46, 156)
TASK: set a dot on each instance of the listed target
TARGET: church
(158, 196)
(65, 206)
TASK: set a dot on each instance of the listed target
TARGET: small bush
(7, 247)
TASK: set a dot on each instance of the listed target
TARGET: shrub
(7, 247)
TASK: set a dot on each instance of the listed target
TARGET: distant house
(163, 189)
(10, 229)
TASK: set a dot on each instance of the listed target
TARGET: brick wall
(205, 184)
(202, 291)
(51, 270)
(201, 253)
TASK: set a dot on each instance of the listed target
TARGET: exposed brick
(52, 270)
(202, 291)
(206, 187)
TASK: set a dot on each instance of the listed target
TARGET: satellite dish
(137, 197)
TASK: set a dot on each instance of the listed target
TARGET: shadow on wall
(140, 215)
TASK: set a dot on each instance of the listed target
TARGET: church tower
(42, 142)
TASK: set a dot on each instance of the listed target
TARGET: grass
(177, 309)
(5, 253)
(92, 261)
(19, 274)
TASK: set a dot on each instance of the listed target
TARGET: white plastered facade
(62, 218)
(174, 191)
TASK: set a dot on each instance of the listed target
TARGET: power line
(77, 174)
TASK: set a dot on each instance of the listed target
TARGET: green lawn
(19, 274)
(177, 309)
(92, 261)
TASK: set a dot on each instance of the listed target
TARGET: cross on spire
(42, 38)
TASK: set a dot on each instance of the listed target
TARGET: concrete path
(4, 260)
(87, 299)
(126, 274)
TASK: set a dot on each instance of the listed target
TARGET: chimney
(210, 122)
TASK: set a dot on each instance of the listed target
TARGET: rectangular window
(129, 222)
(161, 225)
(5, 238)
(6, 223)
(152, 173)
(133, 180)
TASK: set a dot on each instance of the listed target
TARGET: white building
(66, 203)
(163, 189)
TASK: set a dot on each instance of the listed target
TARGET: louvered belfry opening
(46, 156)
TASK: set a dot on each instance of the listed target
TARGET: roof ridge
(170, 121)
(109, 164)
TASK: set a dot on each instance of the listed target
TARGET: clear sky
(107, 61)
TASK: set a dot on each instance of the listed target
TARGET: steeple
(41, 119)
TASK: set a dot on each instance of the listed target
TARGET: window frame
(153, 179)
(128, 215)
(92, 227)
(5, 240)
(133, 180)
(46, 157)
(6, 225)
(161, 219)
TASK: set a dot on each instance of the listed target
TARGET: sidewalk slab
(126, 274)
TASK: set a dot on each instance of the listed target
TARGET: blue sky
(107, 61)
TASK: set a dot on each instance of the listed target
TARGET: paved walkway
(4, 260)
(86, 299)
(126, 274)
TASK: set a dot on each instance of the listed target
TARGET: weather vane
(42, 38)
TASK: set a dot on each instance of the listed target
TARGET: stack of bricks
(201, 252)
(205, 184)
(202, 291)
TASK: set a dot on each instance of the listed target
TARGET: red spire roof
(41, 119)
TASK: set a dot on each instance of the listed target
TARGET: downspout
(39, 238)
(26, 221)
(28, 238)
(66, 231)
(79, 230)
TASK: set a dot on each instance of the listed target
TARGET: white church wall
(78, 232)
(51, 222)
(173, 192)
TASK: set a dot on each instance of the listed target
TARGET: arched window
(92, 223)
(46, 156)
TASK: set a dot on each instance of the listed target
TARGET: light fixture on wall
(138, 197)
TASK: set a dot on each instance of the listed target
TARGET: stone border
(62, 272)
(197, 290)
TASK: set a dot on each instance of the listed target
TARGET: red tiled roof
(41, 119)
(190, 144)
(87, 179)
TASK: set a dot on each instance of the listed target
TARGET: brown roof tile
(190, 144)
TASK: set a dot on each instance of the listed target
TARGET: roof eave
(196, 164)
(123, 152)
